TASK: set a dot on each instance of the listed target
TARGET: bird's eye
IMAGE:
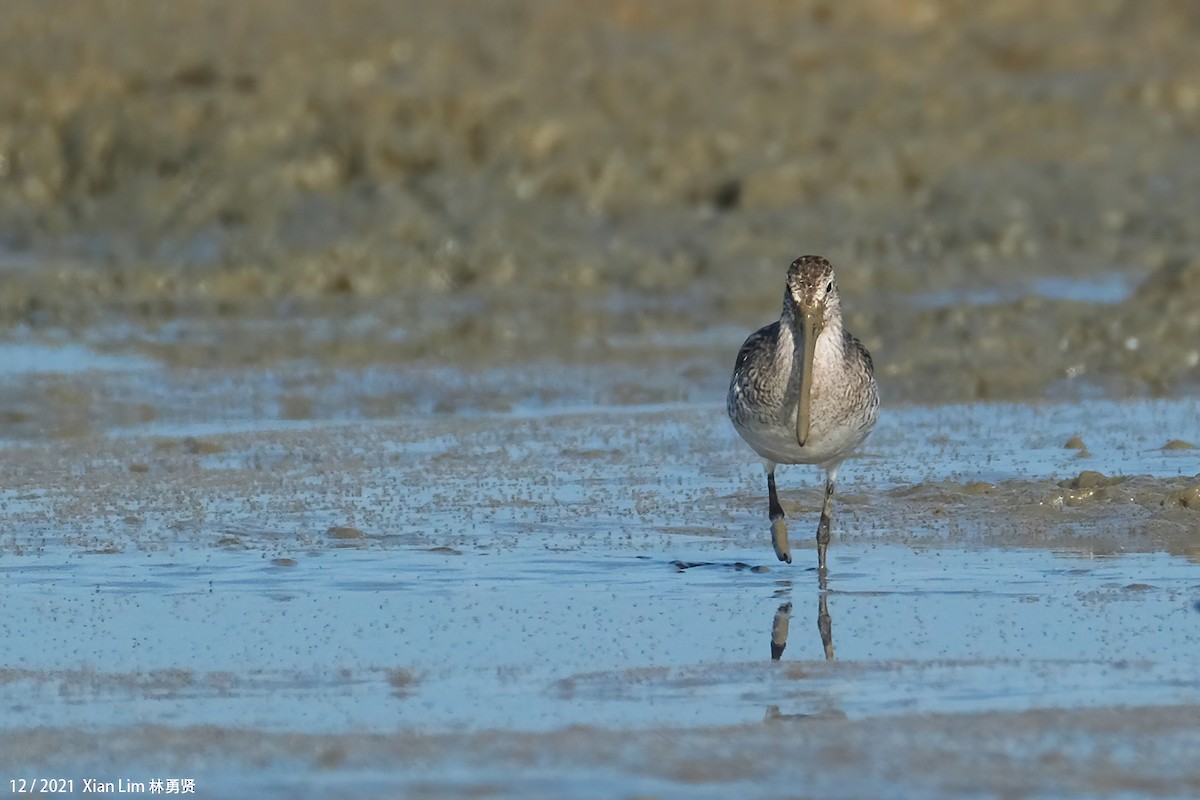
(829, 287)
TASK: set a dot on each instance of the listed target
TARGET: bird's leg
(826, 520)
(779, 531)
(776, 510)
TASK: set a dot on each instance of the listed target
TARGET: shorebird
(803, 391)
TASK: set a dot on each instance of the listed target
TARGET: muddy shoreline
(534, 182)
(1070, 751)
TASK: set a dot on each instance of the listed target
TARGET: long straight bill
(804, 415)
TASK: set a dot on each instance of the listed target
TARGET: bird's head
(812, 294)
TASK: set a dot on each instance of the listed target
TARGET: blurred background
(1008, 191)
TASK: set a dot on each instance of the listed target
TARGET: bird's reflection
(779, 630)
(825, 625)
(782, 620)
(783, 614)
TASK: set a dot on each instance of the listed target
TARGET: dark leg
(776, 510)
(826, 520)
(779, 531)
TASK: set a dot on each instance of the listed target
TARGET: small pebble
(1087, 479)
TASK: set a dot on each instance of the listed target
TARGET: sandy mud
(1009, 194)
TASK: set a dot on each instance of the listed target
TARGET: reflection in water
(825, 625)
(775, 715)
(779, 634)
(782, 619)
(779, 630)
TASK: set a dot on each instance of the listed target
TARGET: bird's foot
(779, 538)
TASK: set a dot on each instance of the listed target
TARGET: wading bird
(803, 391)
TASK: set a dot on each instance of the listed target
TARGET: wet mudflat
(361, 367)
(578, 600)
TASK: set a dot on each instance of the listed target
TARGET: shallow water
(353, 642)
(343, 605)
(23, 358)
(1101, 287)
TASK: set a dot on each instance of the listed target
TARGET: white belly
(828, 442)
